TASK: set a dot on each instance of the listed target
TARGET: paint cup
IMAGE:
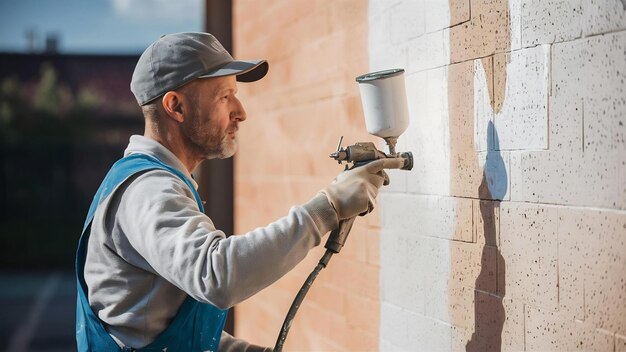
(383, 95)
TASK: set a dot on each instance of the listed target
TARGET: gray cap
(176, 59)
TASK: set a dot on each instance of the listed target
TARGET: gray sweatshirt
(150, 247)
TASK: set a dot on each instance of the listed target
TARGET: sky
(96, 26)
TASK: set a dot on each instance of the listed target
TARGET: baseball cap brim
(245, 70)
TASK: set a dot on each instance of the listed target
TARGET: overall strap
(125, 168)
(89, 329)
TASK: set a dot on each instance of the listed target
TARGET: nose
(239, 113)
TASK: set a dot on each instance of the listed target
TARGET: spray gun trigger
(339, 144)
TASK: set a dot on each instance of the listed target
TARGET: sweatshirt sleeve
(163, 224)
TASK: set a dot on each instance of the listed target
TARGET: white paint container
(383, 96)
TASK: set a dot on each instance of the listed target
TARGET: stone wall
(510, 232)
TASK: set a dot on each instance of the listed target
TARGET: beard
(208, 140)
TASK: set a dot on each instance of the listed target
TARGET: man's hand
(354, 192)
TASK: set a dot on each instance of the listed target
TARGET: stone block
(407, 20)
(468, 126)
(437, 277)
(432, 216)
(460, 92)
(550, 331)
(490, 316)
(428, 51)
(472, 274)
(604, 111)
(521, 106)
(529, 253)
(388, 346)
(592, 266)
(383, 54)
(417, 247)
(461, 306)
(550, 21)
(402, 281)
(605, 63)
(515, 23)
(427, 135)
(605, 278)
(517, 182)
(473, 265)
(567, 96)
(484, 104)
(376, 7)
(403, 288)
(601, 16)
(398, 179)
(442, 14)
(513, 327)
(573, 257)
(427, 334)
(569, 179)
(487, 222)
(393, 325)
(487, 32)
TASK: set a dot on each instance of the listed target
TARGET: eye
(225, 97)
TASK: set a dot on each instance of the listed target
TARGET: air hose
(333, 245)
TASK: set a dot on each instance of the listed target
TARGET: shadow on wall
(472, 44)
(489, 312)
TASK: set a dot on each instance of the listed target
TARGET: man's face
(214, 115)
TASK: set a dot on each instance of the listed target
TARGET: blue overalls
(196, 327)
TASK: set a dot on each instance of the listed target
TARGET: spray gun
(360, 154)
(383, 97)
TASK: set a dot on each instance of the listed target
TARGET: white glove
(354, 191)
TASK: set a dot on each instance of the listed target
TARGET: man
(153, 272)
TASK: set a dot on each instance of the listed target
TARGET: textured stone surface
(407, 21)
(568, 89)
(549, 331)
(521, 113)
(487, 222)
(442, 217)
(444, 14)
(605, 277)
(549, 21)
(428, 51)
(427, 135)
(432, 334)
(393, 324)
(513, 326)
(587, 143)
(592, 267)
(487, 32)
(521, 116)
(529, 250)
(601, 16)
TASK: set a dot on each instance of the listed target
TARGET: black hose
(298, 300)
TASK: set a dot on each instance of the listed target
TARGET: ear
(173, 105)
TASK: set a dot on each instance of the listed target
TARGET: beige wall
(295, 118)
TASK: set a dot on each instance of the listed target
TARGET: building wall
(510, 232)
(296, 115)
